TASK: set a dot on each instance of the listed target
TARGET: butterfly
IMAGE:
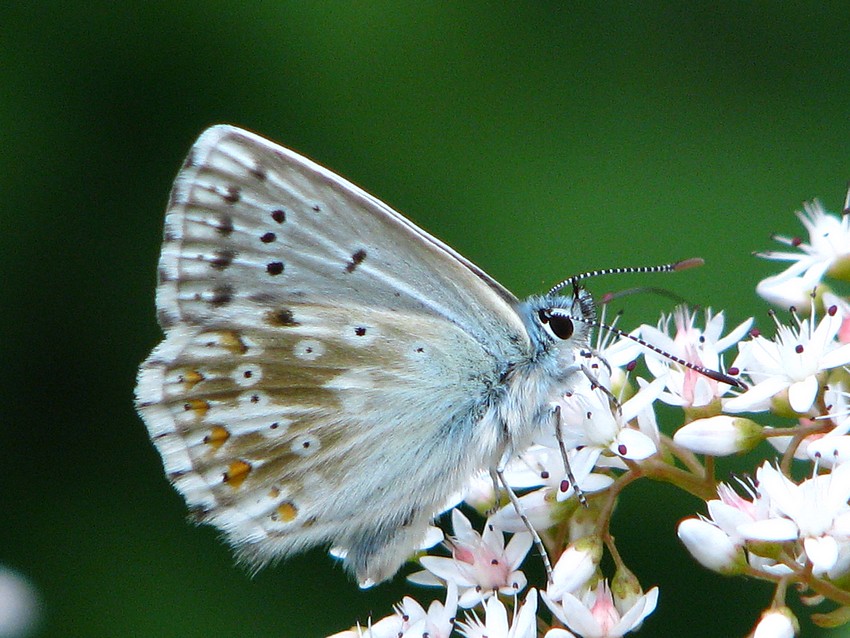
(331, 374)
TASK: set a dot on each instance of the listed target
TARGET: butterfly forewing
(251, 221)
(319, 351)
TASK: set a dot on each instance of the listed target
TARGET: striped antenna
(693, 262)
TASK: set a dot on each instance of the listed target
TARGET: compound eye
(560, 325)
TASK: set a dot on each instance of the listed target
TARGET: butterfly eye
(559, 325)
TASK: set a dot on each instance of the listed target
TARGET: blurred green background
(539, 139)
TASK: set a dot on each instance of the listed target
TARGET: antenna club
(693, 262)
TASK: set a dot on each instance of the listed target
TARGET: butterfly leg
(556, 413)
(500, 475)
(598, 385)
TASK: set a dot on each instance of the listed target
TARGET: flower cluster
(791, 390)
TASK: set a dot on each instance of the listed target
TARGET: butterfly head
(561, 323)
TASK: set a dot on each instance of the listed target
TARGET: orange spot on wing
(236, 473)
(198, 406)
(287, 511)
(233, 342)
(191, 378)
(217, 436)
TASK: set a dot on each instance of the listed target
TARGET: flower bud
(720, 435)
(711, 546)
(575, 566)
(777, 623)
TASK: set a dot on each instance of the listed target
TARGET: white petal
(838, 357)
(841, 525)
(772, 529)
(516, 583)
(497, 617)
(425, 578)
(578, 617)
(634, 617)
(517, 548)
(433, 535)
(757, 397)
(596, 483)
(785, 292)
(461, 527)
(643, 399)
(525, 623)
(447, 569)
(802, 394)
(823, 552)
(735, 336)
(470, 598)
(727, 517)
(633, 445)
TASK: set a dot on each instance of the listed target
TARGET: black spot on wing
(357, 258)
(282, 317)
(221, 295)
(232, 195)
(222, 259)
(274, 267)
(279, 215)
(224, 225)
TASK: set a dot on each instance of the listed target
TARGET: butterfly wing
(325, 360)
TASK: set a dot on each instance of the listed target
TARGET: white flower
(790, 363)
(826, 252)
(495, 625)
(410, 620)
(816, 512)
(587, 420)
(598, 615)
(543, 467)
(718, 541)
(719, 435)
(687, 387)
(481, 564)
